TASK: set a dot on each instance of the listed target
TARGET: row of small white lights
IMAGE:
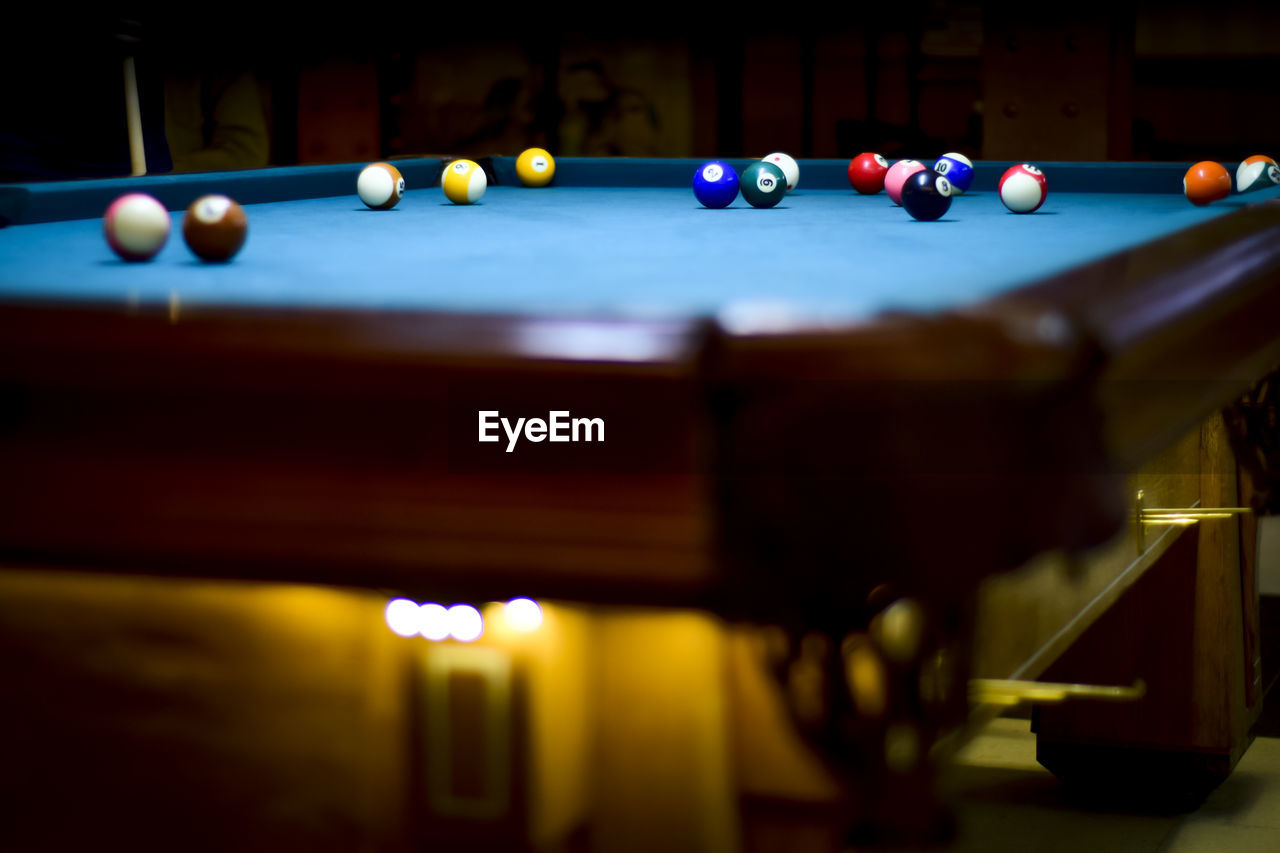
(462, 622)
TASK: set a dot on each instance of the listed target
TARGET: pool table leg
(1188, 629)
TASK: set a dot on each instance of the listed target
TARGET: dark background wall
(1133, 79)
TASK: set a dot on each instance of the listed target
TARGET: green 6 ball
(763, 184)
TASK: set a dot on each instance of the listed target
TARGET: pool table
(800, 406)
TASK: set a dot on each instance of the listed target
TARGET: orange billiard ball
(1205, 182)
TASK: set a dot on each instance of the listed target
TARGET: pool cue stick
(133, 118)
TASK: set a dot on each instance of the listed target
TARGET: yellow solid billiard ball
(464, 182)
(535, 167)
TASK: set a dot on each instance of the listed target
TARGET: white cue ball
(790, 168)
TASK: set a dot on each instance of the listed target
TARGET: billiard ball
(380, 186)
(1023, 188)
(959, 171)
(1206, 182)
(897, 176)
(136, 226)
(790, 168)
(866, 173)
(464, 182)
(865, 676)
(763, 184)
(1256, 173)
(715, 184)
(215, 228)
(899, 630)
(926, 195)
(535, 167)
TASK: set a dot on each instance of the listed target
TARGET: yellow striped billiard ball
(535, 167)
(464, 182)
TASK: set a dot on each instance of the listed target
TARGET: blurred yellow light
(433, 621)
(402, 616)
(523, 615)
(465, 623)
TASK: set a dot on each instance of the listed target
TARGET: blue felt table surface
(581, 250)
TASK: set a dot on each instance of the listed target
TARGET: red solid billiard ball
(215, 228)
(136, 226)
(1023, 188)
(1205, 182)
(866, 173)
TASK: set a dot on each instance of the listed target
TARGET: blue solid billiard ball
(926, 195)
(959, 171)
(715, 184)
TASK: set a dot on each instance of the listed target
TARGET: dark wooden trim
(317, 446)
(809, 453)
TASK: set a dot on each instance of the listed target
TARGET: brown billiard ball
(215, 228)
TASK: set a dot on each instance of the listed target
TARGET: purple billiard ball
(715, 184)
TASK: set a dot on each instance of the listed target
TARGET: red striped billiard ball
(215, 228)
(1205, 182)
(867, 171)
(1023, 188)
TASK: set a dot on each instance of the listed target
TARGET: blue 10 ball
(926, 195)
(959, 171)
(715, 184)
